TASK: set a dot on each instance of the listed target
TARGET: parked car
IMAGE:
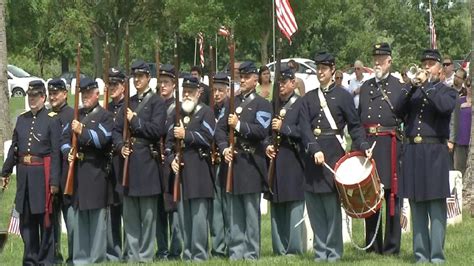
(69, 76)
(18, 80)
(306, 72)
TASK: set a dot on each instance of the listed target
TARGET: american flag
(223, 31)
(201, 48)
(285, 17)
(432, 30)
(14, 227)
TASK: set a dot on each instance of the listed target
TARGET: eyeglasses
(447, 64)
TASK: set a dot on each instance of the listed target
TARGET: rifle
(214, 154)
(230, 170)
(106, 73)
(177, 145)
(69, 189)
(126, 104)
(278, 114)
(158, 87)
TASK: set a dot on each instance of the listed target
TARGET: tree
(5, 125)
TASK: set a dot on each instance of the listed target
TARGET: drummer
(377, 99)
(325, 112)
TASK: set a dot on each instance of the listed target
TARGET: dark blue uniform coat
(149, 126)
(425, 167)
(340, 103)
(288, 184)
(196, 177)
(250, 168)
(37, 135)
(91, 176)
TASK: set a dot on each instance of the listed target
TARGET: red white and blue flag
(285, 18)
(14, 227)
(432, 30)
(201, 48)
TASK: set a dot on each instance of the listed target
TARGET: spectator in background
(300, 88)
(448, 71)
(265, 85)
(338, 77)
(356, 82)
(460, 126)
(204, 90)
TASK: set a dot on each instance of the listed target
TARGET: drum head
(353, 171)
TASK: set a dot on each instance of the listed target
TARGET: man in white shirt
(356, 82)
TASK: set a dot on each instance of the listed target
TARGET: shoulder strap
(248, 100)
(327, 113)
(89, 117)
(143, 102)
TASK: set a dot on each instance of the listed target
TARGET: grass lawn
(459, 240)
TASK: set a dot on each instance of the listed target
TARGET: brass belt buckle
(372, 130)
(80, 156)
(418, 139)
(317, 131)
(27, 159)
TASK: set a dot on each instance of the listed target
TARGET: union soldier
(57, 91)
(94, 134)
(324, 114)
(168, 217)
(116, 86)
(427, 106)
(146, 116)
(287, 199)
(196, 131)
(219, 225)
(251, 122)
(35, 153)
(377, 99)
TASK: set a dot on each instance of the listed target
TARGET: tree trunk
(64, 64)
(264, 48)
(97, 56)
(5, 124)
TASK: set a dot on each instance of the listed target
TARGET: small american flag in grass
(14, 227)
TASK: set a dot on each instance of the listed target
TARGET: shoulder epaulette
(52, 114)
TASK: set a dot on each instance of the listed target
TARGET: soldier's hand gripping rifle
(69, 188)
(230, 170)
(178, 142)
(280, 113)
(126, 105)
(106, 73)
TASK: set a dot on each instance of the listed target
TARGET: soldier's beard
(378, 73)
(188, 105)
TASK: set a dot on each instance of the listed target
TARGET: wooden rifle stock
(126, 104)
(177, 145)
(212, 102)
(158, 88)
(276, 110)
(106, 74)
(230, 170)
(69, 188)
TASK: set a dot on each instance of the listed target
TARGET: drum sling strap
(327, 113)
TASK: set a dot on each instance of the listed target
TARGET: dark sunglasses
(357, 68)
(447, 64)
(338, 77)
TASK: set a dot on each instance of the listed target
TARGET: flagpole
(273, 23)
(195, 50)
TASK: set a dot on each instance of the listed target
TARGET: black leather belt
(425, 140)
(379, 129)
(142, 141)
(29, 159)
(326, 132)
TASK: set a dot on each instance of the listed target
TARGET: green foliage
(46, 32)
